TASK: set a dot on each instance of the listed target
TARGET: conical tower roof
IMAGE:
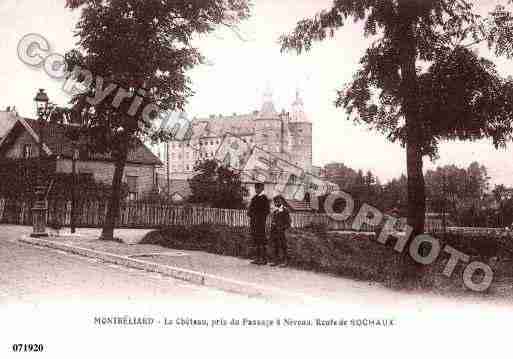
(298, 110)
(268, 109)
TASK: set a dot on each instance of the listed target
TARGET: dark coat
(280, 220)
(258, 211)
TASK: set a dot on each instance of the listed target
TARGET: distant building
(21, 143)
(286, 135)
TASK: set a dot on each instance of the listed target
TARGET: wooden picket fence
(148, 215)
(480, 231)
(152, 215)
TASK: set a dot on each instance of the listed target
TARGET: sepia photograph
(256, 178)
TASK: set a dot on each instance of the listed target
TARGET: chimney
(11, 110)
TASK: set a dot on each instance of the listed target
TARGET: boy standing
(280, 224)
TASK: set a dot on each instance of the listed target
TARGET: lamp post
(39, 211)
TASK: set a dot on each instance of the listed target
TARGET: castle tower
(298, 111)
(268, 125)
(268, 109)
(300, 129)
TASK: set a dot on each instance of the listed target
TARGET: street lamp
(41, 101)
(39, 211)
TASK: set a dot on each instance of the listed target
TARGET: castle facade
(286, 135)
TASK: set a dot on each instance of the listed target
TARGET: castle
(286, 135)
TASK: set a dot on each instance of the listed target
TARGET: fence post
(2, 207)
(67, 214)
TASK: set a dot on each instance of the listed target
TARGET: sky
(238, 73)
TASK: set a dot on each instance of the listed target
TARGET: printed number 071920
(27, 347)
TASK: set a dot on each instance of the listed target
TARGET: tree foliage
(367, 188)
(142, 50)
(454, 191)
(460, 96)
(419, 82)
(463, 194)
(143, 46)
(502, 208)
(217, 186)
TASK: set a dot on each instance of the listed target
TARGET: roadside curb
(198, 278)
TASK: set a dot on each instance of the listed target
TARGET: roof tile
(54, 136)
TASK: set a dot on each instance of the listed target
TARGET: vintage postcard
(256, 178)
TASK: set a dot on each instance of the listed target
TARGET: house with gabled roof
(21, 142)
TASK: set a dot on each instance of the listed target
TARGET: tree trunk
(115, 198)
(411, 271)
(408, 55)
(416, 188)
